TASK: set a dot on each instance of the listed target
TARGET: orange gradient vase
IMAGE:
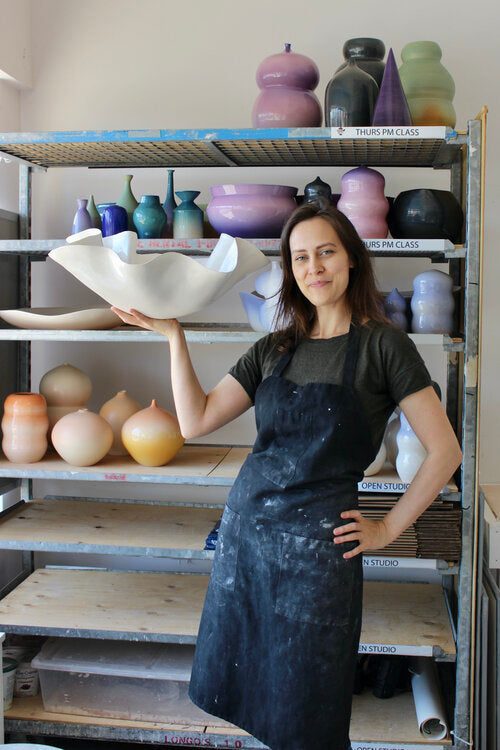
(24, 427)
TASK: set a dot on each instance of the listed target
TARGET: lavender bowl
(251, 210)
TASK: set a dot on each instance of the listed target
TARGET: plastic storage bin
(121, 680)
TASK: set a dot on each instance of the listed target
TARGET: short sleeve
(404, 368)
(248, 370)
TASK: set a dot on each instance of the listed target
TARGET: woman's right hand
(168, 327)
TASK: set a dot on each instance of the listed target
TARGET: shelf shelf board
(408, 248)
(392, 722)
(398, 618)
(388, 146)
(124, 528)
(194, 464)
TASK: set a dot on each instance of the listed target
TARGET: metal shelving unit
(59, 525)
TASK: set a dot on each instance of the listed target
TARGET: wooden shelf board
(373, 720)
(167, 607)
(59, 524)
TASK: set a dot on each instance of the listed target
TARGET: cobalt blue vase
(114, 220)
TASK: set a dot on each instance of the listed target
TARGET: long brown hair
(295, 314)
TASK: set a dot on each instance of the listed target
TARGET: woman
(278, 640)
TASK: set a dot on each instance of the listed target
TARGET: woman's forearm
(189, 397)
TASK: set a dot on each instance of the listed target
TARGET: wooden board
(191, 461)
(52, 523)
(164, 606)
(373, 720)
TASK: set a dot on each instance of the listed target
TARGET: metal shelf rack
(440, 148)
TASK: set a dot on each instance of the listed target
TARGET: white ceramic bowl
(160, 286)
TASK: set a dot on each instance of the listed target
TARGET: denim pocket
(315, 582)
(226, 551)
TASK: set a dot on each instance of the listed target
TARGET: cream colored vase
(66, 389)
(82, 438)
(24, 427)
(152, 436)
(116, 411)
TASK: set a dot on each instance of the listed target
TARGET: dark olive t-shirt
(388, 369)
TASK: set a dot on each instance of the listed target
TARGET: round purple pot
(251, 210)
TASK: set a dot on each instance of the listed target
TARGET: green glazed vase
(428, 86)
(128, 201)
(94, 213)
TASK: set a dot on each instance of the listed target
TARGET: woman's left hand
(369, 534)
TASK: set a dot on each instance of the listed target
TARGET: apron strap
(351, 356)
(282, 363)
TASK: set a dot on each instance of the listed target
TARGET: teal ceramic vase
(128, 201)
(188, 217)
(94, 213)
(428, 86)
(149, 218)
(169, 206)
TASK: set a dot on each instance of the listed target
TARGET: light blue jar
(188, 217)
(149, 218)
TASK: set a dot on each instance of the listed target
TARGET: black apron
(279, 634)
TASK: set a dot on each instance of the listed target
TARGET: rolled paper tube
(431, 715)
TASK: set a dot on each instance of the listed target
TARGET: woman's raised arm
(198, 412)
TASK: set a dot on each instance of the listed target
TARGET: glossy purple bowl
(251, 210)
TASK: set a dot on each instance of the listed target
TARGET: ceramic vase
(391, 107)
(149, 218)
(364, 203)
(246, 210)
(411, 452)
(426, 214)
(94, 213)
(350, 98)
(66, 385)
(432, 303)
(152, 436)
(101, 206)
(368, 54)
(377, 462)
(128, 201)
(169, 206)
(24, 427)
(390, 437)
(317, 191)
(82, 219)
(428, 86)
(82, 438)
(395, 309)
(114, 220)
(287, 98)
(268, 283)
(116, 411)
(188, 217)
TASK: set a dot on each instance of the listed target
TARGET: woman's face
(320, 263)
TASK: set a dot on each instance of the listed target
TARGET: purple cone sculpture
(391, 107)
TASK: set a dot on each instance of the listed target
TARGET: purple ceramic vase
(432, 303)
(287, 99)
(82, 219)
(114, 220)
(251, 210)
(364, 203)
(391, 107)
(395, 309)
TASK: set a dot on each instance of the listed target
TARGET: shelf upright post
(470, 417)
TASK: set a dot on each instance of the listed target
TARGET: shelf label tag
(392, 649)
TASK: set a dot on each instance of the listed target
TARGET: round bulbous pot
(82, 438)
(426, 214)
(152, 436)
(24, 427)
(116, 411)
(66, 385)
(368, 54)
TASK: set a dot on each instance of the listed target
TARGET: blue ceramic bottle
(114, 220)
(82, 219)
(149, 217)
(188, 217)
(169, 206)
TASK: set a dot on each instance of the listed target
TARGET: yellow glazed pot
(152, 436)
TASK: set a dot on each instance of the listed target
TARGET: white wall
(124, 64)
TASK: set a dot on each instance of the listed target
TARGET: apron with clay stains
(278, 639)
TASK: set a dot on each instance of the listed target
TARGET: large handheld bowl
(160, 286)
